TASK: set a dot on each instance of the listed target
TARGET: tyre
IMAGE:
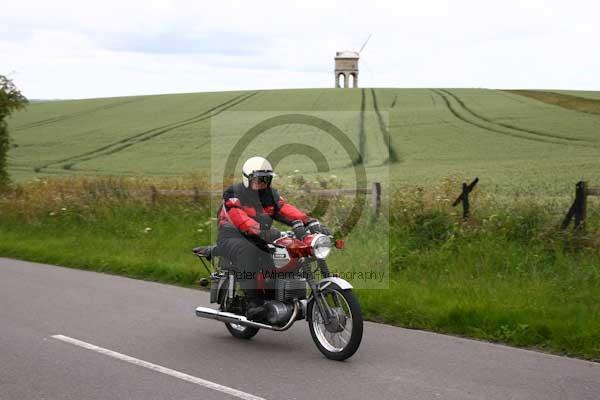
(341, 338)
(238, 331)
(241, 332)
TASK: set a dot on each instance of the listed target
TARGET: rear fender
(223, 288)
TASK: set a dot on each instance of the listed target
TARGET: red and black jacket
(249, 211)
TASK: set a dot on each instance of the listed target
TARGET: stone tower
(346, 69)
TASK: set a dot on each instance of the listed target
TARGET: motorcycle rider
(245, 226)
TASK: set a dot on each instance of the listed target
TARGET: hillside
(512, 142)
(507, 274)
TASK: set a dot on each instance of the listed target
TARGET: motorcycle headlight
(321, 246)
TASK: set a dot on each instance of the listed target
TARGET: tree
(11, 99)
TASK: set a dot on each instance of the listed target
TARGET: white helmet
(257, 167)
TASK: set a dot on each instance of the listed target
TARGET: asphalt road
(145, 342)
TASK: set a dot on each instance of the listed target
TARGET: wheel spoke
(328, 336)
(335, 339)
(343, 340)
(346, 334)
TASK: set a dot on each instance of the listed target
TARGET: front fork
(316, 292)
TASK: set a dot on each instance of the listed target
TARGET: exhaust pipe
(210, 313)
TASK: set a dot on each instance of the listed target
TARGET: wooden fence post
(153, 194)
(579, 207)
(376, 199)
(464, 197)
(581, 212)
(465, 200)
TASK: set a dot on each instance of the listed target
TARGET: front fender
(342, 283)
(322, 285)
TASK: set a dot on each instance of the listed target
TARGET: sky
(64, 49)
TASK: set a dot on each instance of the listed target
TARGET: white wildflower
(147, 229)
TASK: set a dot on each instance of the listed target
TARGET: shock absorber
(322, 264)
(319, 302)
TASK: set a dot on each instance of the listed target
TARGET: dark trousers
(248, 256)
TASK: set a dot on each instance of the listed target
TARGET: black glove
(299, 229)
(325, 230)
(269, 235)
(315, 227)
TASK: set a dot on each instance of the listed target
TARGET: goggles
(262, 179)
(261, 176)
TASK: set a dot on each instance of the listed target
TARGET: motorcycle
(292, 291)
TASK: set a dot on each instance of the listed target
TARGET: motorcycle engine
(290, 289)
(278, 313)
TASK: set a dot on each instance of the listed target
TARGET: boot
(256, 310)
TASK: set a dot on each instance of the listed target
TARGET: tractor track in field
(433, 102)
(481, 123)
(29, 169)
(75, 172)
(316, 101)
(385, 133)
(144, 136)
(60, 118)
(362, 142)
(509, 126)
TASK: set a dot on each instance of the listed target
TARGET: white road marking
(158, 368)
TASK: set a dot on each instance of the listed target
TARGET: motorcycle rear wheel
(343, 344)
(241, 332)
(237, 331)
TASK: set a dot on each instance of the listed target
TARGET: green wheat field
(512, 142)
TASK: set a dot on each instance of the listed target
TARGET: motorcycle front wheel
(339, 339)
